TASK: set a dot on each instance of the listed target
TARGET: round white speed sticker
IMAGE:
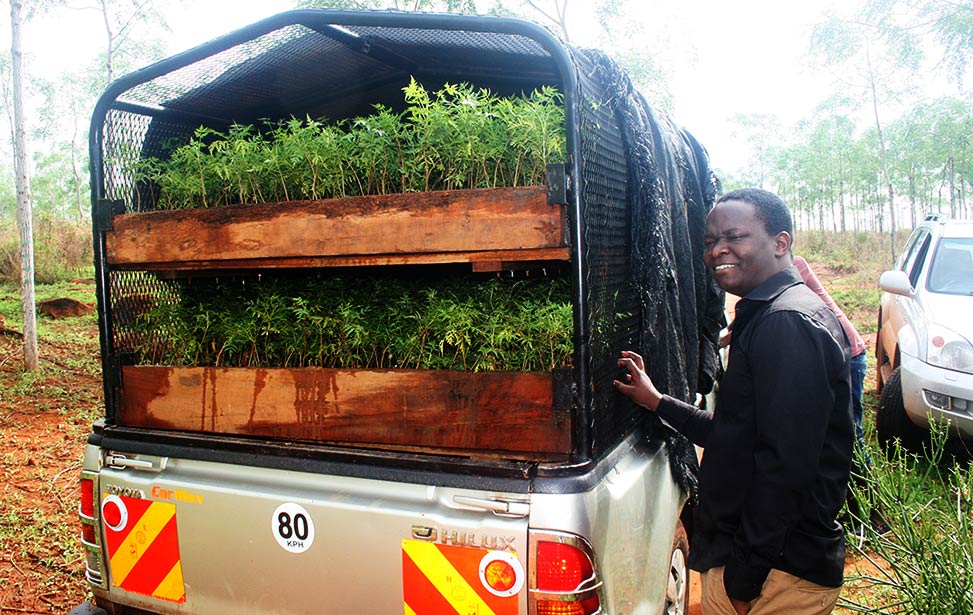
(292, 527)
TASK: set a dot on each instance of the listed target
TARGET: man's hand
(741, 607)
(637, 386)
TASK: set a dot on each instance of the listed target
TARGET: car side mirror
(897, 283)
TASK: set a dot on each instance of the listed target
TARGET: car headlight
(948, 349)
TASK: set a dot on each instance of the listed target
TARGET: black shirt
(778, 447)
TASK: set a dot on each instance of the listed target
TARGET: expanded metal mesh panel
(125, 146)
(311, 74)
(202, 75)
(133, 294)
(422, 42)
(448, 51)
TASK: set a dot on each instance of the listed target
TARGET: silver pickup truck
(269, 488)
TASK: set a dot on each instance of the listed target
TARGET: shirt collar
(775, 284)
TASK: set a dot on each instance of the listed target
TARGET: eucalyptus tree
(877, 68)
(759, 131)
(949, 23)
(864, 184)
(911, 149)
(131, 31)
(952, 123)
(22, 170)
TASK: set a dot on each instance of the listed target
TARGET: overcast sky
(725, 56)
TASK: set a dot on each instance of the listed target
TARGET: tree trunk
(886, 176)
(820, 200)
(841, 204)
(24, 219)
(110, 43)
(912, 194)
(952, 186)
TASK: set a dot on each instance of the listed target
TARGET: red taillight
(561, 567)
(88, 509)
(87, 497)
(564, 568)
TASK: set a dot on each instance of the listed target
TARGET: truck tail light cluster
(563, 579)
(90, 540)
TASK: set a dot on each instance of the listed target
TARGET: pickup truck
(269, 487)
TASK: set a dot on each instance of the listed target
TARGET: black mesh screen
(646, 189)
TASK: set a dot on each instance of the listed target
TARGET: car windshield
(952, 267)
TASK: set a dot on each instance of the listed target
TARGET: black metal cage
(638, 187)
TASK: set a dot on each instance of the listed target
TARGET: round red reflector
(938, 342)
(501, 573)
(114, 513)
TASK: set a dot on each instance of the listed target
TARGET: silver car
(923, 347)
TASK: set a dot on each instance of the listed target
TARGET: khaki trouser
(782, 594)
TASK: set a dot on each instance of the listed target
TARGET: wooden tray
(487, 227)
(499, 412)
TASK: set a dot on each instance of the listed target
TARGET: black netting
(647, 289)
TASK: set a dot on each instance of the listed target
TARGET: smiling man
(777, 449)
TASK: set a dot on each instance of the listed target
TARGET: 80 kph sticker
(292, 527)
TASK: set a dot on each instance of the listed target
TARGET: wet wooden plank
(390, 228)
(495, 411)
(497, 260)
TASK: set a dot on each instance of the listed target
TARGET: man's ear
(782, 243)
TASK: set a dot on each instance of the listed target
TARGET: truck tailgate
(188, 536)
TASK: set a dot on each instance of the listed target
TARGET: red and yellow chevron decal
(445, 580)
(143, 551)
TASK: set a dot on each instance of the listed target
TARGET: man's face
(739, 251)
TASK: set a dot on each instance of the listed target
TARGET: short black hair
(770, 209)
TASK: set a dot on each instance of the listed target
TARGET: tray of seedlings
(273, 310)
(458, 176)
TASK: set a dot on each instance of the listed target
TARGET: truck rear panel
(192, 536)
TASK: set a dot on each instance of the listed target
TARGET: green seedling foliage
(925, 559)
(454, 138)
(365, 322)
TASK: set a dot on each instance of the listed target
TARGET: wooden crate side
(494, 411)
(454, 221)
(495, 260)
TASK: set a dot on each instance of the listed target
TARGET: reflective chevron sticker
(446, 580)
(143, 547)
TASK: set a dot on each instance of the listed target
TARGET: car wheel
(677, 588)
(891, 421)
